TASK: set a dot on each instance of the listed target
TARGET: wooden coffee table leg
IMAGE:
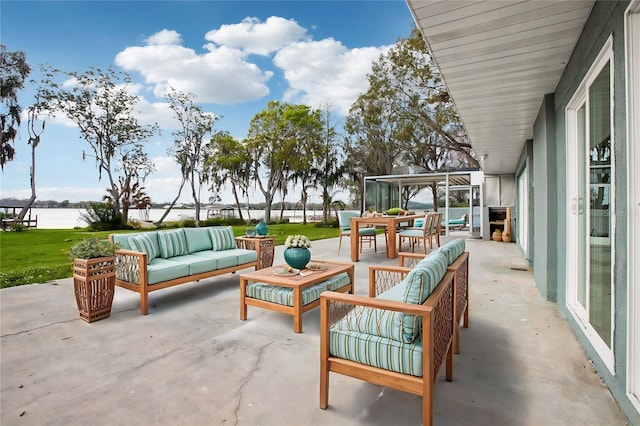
(297, 310)
(243, 295)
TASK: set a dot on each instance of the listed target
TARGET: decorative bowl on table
(285, 271)
(317, 266)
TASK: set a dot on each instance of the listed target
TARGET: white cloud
(165, 37)
(317, 72)
(221, 75)
(166, 166)
(157, 112)
(325, 71)
(261, 38)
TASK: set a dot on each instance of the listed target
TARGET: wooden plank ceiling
(498, 60)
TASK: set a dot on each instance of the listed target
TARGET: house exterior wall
(606, 19)
(544, 200)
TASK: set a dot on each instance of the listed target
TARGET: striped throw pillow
(222, 238)
(172, 243)
(144, 244)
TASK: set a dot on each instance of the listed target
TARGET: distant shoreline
(69, 218)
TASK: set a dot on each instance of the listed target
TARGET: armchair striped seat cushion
(284, 295)
(388, 339)
(377, 351)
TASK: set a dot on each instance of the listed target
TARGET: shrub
(102, 217)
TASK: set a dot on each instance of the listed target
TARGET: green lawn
(41, 255)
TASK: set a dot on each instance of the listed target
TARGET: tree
(307, 134)
(328, 168)
(375, 135)
(191, 150)
(230, 163)
(406, 118)
(272, 142)
(98, 103)
(13, 72)
(408, 72)
(134, 167)
(35, 128)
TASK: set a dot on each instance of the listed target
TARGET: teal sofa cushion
(123, 240)
(222, 237)
(231, 257)
(196, 264)
(453, 249)
(244, 255)
(224, 258)
(146, 243)
(172, 243)
(284, 295)
(159, 270)
(198, 239)
(376, 351)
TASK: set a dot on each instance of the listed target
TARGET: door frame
(632, 61)
(522, 185)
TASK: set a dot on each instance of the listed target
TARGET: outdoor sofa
(150, 261)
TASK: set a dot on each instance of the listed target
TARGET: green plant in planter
(93, 247)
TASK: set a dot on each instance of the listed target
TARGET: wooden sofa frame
(138, 261)
(460, 269)
(437, 314)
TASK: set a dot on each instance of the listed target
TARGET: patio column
(446, 205)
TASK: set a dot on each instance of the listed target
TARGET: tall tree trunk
(173, 203)
(237, 200)
(434, 191)
(325, 205)
(32, 179)
(194, 194)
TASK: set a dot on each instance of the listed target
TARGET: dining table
(390, 222)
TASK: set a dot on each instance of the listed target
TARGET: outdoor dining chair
(367, 234)
(428, 230)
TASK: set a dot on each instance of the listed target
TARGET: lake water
(70, 218)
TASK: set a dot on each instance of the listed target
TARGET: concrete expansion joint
(18, 333)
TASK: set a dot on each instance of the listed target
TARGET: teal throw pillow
(172, 243)
(144, 243)
(222, 238)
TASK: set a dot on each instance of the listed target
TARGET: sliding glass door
(590, 210)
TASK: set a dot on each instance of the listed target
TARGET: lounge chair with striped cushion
(398, 337)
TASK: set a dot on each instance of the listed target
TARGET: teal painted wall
(545, 250)
(607, 18)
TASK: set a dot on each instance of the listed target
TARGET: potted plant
(296, 252)
(94, 277)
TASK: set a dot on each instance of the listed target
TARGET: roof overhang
(498, 60)
(462, 178)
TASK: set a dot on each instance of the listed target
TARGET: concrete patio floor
(191, 361)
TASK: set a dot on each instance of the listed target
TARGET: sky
(234, 56)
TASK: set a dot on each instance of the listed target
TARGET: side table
(264, 247)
